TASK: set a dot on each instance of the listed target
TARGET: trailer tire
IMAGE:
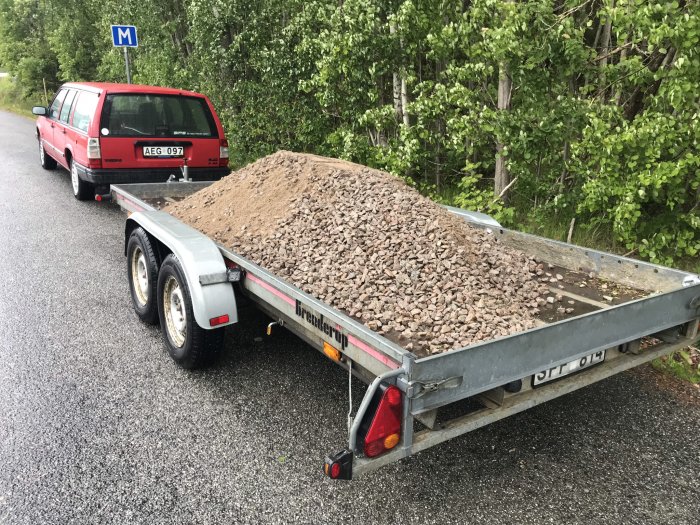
(142, 269)
(190, 345)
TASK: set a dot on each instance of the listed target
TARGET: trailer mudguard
(199, 257)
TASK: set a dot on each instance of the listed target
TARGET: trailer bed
(581, 292)
(613, 313)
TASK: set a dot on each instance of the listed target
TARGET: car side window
(56, 104)
(84, 110)
(67, 104)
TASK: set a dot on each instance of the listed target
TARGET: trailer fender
(201, 262)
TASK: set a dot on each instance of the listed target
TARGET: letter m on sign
(124, 36)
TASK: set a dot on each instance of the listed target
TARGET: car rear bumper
(100, 177)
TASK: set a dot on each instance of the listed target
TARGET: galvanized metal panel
(475, 217)
(518, 403)
(159, 190)
(616, 268)
(495, 363)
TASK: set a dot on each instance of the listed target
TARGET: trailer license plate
(568, 368)
(163, 151)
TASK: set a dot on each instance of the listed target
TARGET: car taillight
(384, 432)
(223, 152)
(93, 149)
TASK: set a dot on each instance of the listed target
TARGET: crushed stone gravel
(368, 244)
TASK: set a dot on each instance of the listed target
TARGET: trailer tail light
(384, 431)
(223, 152)
(216, 321)
(332, 352)
(339, 466)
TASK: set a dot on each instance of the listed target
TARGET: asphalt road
(97, 425)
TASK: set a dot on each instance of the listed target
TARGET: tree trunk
(636, 101)
(400, 90)
(396, 82)
(565, 163)
(502, 176)
(398, 110)
(567, 146)
(404, 102)
(623, 57)
(605, 47)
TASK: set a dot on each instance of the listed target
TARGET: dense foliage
(592, 106)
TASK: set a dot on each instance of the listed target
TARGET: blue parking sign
(124, 36)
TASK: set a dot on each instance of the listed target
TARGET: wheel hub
(175, 313)
(74, 177)
(139, 276)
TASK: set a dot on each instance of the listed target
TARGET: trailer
(190, 285)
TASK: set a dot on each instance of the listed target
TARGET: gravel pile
(366, 243)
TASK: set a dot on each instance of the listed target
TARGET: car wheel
(82, 190)
(47, 161)
(188, 344)
(142, 268)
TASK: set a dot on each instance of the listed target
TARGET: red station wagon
(117, 133)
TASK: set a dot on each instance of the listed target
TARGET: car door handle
(63, 131)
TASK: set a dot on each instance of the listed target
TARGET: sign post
(125, 36)
(126, 61)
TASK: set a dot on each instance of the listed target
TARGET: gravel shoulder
(97, 425)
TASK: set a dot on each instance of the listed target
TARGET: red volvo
(124, 133)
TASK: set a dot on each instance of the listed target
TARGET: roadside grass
(12, 100)
(684, 364)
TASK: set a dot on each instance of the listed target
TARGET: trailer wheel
(188, 344)
(142, 268)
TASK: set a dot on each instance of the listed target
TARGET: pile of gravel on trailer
(366, 243)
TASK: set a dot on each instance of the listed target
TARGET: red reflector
(98, 198)
(393, 396)
(374, 448)
(216, 321)
(386, 421)
(335, 470)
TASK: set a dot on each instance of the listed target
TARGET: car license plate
(163, 151)
(568, 368)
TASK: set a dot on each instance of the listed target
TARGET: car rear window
(147, 115)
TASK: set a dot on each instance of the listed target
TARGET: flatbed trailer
(189, 283)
